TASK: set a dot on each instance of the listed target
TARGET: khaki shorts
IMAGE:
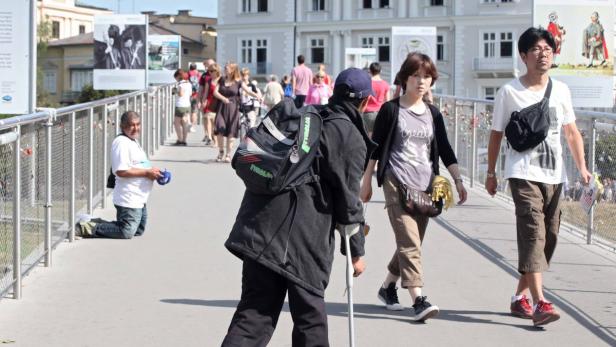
(537, 210)
(182, 111)
(209, 115)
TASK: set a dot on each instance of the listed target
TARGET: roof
(80, 4)
(83, 39)
(88, 38)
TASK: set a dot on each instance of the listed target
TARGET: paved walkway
(178, 286)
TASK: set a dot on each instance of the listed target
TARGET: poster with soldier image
(405, 40)
(163, 58)
(584, 35)
(120, 52)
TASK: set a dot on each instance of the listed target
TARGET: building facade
(476, 39)
(67, 18)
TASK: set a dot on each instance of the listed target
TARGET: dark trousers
(129, 222)
(256, 316)
(299, 100)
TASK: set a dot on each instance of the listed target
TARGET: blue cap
(358, 81)
(165, 178)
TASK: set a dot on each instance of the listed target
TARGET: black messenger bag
(529, 127)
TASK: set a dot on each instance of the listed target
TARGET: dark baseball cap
(358, 82)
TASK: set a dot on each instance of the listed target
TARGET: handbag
(418, 203)
(530, 126)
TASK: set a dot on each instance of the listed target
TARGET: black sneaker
(389, 296)
(423, 309)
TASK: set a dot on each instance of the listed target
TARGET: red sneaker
(544, 313)
(521, 308)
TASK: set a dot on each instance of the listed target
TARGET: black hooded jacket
(295, 238)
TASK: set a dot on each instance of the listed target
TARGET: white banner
(119, 52)
(584, 35)
(360, 58)
(164, 58)
(15, 81)
(405, 40)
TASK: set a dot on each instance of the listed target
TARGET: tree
(88, 93)
(43, 33)
(605, 158)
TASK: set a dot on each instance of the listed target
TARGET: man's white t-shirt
(543, 163)
(130, 192)
(184, 100)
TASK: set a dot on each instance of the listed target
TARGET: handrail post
(105, 159)
(591, 159)
(473, 144)
(17, 216)
(90, 160)
(48, 184)
(455, 127)
(72, 221)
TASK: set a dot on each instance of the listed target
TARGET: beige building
(67, 17)
(198, 33)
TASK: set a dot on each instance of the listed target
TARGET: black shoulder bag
(111, 179)
(530, 126)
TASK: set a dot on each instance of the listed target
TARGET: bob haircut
(531, 36)
(413, 63)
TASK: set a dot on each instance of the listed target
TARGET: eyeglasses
(537, 50)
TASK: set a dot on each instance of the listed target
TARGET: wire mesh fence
(469, 123)
(43, 217)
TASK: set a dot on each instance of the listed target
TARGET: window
(79, 79)
(383, 49)
(382, 46)
(490, 92)
(506, 44)
(440, 48)
(185, 51)
(317, 51)
(82, 29)
(250, 6)
(50, 81)
(318, 5)
(497, 45)
(370, 4)
(261, 5)
(55, 29)
(437, 3)
(246, 51)
(489, 45)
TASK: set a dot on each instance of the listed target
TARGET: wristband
(490, 174)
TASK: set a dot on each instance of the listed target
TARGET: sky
(205, 8)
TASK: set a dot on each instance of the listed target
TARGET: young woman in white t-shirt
(182, 106)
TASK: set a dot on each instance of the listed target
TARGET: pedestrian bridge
(178, 286)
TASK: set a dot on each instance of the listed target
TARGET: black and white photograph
(118, 46)
(120, 52)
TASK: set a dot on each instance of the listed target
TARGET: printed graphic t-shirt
(543, 163)
(409, 160)
(129, 192)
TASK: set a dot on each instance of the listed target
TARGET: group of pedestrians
(293, 256)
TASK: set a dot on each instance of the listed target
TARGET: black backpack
(277, 155)
(530, 126)
(111, 179)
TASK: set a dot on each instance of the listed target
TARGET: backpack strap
(271, 127)
(548, 90)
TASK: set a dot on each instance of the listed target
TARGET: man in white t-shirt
(536, 175)
(134, 178)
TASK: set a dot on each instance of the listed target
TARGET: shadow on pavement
(497, 259)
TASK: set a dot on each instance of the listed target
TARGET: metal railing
(54, 166)
(468, 124)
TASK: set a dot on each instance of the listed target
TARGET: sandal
(227, 159)
(220, 156)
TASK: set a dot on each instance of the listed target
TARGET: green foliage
(88, 93)
(605, 158)
(43, 98)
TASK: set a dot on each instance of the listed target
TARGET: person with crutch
(286, 241)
